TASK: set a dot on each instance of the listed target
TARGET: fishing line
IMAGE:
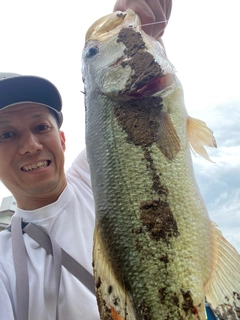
(152, 23)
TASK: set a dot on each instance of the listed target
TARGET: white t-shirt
(70, 221)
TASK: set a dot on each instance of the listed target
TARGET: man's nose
(29, 143)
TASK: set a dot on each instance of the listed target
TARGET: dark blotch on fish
(98, 283)
(142, 62)
(162, 294)
(145, 311)
(141, 124)
(140, 120)
(175, 300)
(164, 258)
(158, 219)
(102, 306)
(187, 304)
(157, 185)
(110, 289)
(145, 123)
(116, 301)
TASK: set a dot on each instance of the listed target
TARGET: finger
(168, 9)
(149, 11)
(158, 8)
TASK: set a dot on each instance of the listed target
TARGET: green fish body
(156, 252)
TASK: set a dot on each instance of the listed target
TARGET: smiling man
(32, 146)
(32, 167)
(33, 285)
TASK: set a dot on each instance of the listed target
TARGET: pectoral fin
(167, 139)
(200, 135)
(112, 298)
(223, 286)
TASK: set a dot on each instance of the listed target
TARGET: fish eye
(92, 51)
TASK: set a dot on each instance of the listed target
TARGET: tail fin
(223, 286)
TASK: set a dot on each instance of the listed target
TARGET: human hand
(149, 11)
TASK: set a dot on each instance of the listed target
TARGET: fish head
(122, 61)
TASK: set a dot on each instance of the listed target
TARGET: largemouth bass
(157, 255)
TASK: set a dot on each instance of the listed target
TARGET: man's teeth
(40, 164)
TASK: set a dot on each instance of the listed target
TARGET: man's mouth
(35, 166)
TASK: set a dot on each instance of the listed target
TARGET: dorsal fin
(199, 135)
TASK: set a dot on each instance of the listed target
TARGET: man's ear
(63, 140)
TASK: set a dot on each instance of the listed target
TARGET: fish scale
(153, 240)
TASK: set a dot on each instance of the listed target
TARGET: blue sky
(46, 38)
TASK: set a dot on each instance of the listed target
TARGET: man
(32, 167)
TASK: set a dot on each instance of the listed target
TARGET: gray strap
(57, 264)
(54, 249)
(21, 270)
(67, 261)
(60, 257)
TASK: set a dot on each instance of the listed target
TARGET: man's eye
(6, 135)
(43, 127)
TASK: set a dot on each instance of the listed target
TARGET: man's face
(31, 152)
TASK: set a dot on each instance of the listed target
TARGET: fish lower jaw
(36, 166)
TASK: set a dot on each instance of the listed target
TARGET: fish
(156, 255)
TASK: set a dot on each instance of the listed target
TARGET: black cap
(15, 88)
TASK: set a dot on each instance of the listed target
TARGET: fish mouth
(36, 166)
(157, 84)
